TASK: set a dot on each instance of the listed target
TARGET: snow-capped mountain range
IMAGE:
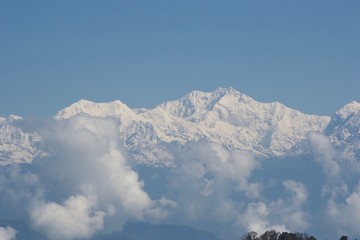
(225, 116)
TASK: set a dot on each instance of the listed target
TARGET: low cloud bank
(87, 184)
(213, 186)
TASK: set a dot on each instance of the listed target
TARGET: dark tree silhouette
(274, 235)
(287, 236)
(250, 236)
(270, 235)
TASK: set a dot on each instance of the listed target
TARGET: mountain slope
(15, 144)
(344, 130)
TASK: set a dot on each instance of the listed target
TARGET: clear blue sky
(305, 54)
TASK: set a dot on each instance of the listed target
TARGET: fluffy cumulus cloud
(298, 190)
(344, 216)
(75, 218)
(343, 204)
(7, 233)
(292, 213)
(325, 153)
(213, 185)
(256, 218)
(283, 214)
(87, 181)
(208, 180)
(18, 185)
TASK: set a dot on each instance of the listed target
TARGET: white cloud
(344, 216)
(205, 178)
(17, 187)
(342, 212)
(89, 169)
(325, 153)
(298, 190)
(7, 233)
(252, 190)
(290, 210)
(237, 165)
(256, 218)
(161, 209)
(283, 214)
(75, 218)
(216, 188)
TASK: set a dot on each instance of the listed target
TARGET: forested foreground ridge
(275, 235)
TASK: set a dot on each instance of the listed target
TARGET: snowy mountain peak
(195, 104)
(11, 118)
(226, 92)
(110, 109)
(227, 97)
(348, 109)
(230, 91)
